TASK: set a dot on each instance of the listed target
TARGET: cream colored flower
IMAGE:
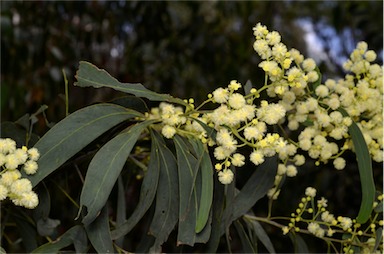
(168, 131)
(226, 176)
(311, 192)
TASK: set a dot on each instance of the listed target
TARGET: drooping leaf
(364, 164)
(217, 211)
(379, 238)
(147, 195)
(99, 234)
(121, 209)
(255, 188)
(261, 235)
(248, 245)
(298, 243)
(73, 133)
(167, 197)
(89, 75)
(230, 193)
(105, 168)
(187, 170)
(206, 182)
(65, 240)
(27, 232)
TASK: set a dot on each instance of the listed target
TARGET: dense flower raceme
(12, 185)
(297, 102)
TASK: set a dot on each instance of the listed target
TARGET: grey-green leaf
(73, 133)
(262, 235)
(105, 168)
(89, 75)
(166, 210)
(99, 234)
(206, 194)
(256, 187)
(248, 245)
(299, 244)
(68, 238)
(147, 195)
(187, 170)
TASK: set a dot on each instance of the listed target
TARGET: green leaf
(121, 209)
(379, 239)
(131, 102)
(364, 164)
(27, 232)
(167, 197)
(147, 195)
(261, 235)
(70, 237)
(105, 168)
(206, 194)
(379, 207)
(99, 234)
(187, 170)
(217, 211)
(73, 133)
(256, 187)
(299, 244)
(89, 75)
(248, 245)
(247, 87)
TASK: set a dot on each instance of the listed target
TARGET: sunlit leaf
(167, 197)
(73, 133)
(105, 168)
(89, 75)
(99, 234)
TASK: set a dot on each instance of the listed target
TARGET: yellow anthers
(234, 85)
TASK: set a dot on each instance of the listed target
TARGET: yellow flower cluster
(315, 109)
(318, 221)
(237, 122)
(12, 185)
(301, 104)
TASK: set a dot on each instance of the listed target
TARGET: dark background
(183, 48)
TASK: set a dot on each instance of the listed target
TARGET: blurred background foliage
(183, 48)
(178, 47)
